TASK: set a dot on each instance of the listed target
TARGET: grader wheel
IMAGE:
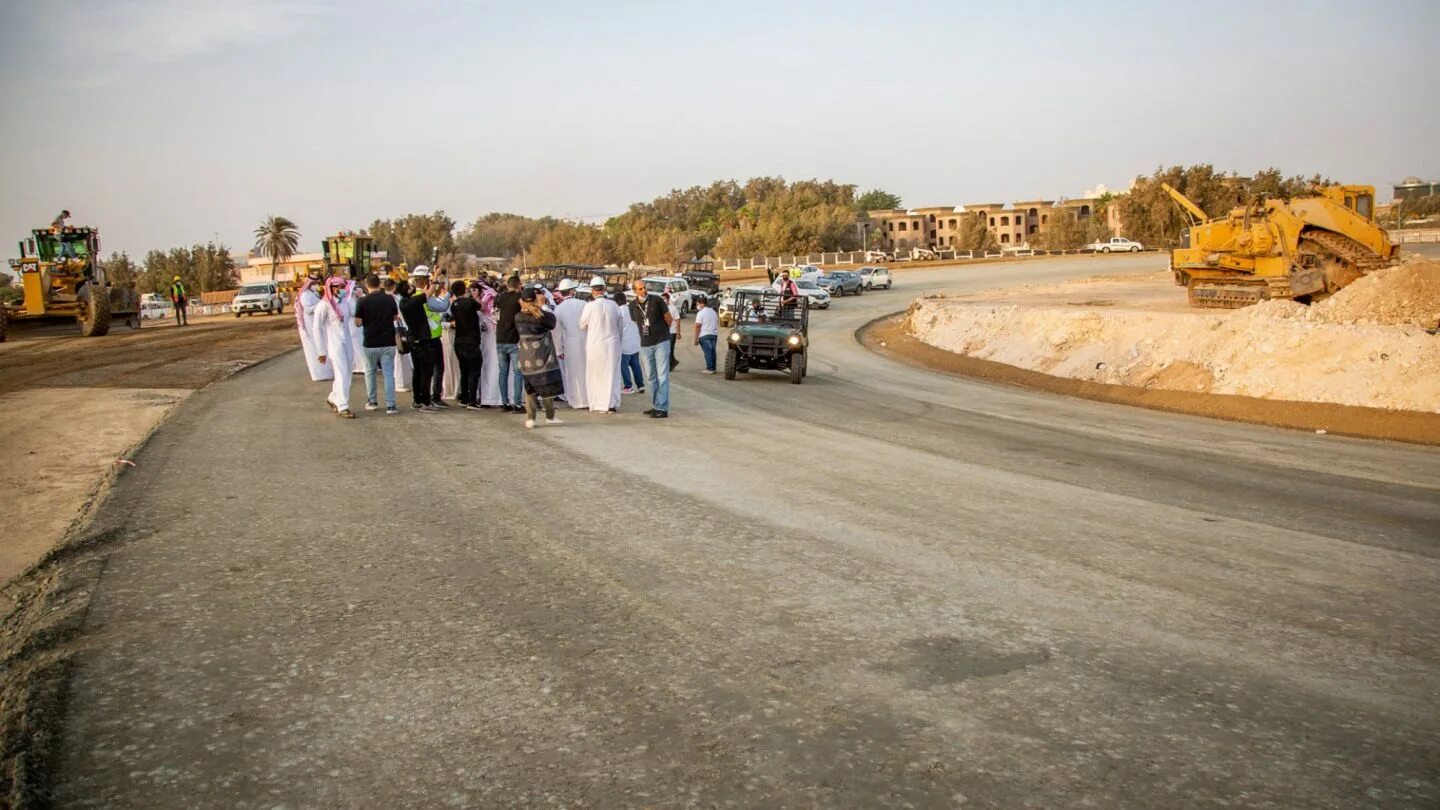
(96, 321)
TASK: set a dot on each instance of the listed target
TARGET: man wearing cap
(603, 329)
(570, 344)
(180, 300)
(306, 300)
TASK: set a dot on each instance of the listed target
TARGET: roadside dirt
(891, 338)
(73, 406)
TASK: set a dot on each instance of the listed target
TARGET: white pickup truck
(1115, 244)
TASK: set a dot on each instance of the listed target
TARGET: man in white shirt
(707, 332)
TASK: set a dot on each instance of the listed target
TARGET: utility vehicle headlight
(734, 337)
(794, 340)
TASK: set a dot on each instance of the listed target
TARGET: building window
(1004, 220)
(1034, 229)
(992, 222)
(1044, 219)
(952, 224)
(1084, 210)
(902, 226)
(1033, 212)
(1005, 237)
(932, 234)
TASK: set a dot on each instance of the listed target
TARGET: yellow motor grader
(62, 278)
(1303, 248)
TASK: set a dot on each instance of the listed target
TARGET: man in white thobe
(570, 346)
(603, 328)
(331, 330)
(305, 303)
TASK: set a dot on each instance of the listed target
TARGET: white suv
(680, 293)
(262, 296)
(876, 278)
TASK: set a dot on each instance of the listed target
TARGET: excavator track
(1348, 250)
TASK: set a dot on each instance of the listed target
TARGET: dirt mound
(1405, 295)
(1348, 353)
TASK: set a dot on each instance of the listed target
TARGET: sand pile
(1361, 347)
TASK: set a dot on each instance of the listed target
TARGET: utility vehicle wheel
(797, 368)
(97, 311)
(237, 314)
(4, 322)
(1134, 250)
(280, 310)
(732, 358)
(1105, 249)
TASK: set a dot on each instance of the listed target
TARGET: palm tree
(278, 238)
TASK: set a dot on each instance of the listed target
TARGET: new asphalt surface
(886, 587)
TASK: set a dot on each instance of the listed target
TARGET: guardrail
(858, 257)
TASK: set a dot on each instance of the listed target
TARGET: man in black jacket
(507, 348)
(469, 327)
(422, 352)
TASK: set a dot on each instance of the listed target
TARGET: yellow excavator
(1303, 248)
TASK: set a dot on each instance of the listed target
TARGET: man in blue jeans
(652, 315)
(376, 314)
(507, 348)
(707, 332)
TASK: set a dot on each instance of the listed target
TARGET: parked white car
(260, 296)
(876, 278)
(680, 293)
(1115, 244)
(804, 272)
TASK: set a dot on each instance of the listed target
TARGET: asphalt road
(883, 588)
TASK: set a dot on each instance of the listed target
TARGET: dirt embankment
(1365, 362)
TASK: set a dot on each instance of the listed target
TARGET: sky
(171, 122)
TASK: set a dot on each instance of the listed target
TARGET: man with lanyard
(653, 317)
(179, 299)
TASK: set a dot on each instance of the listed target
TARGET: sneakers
(371, 406)
(660, 415)
(440, 404)
(428, 409)
(552, 421)
(627, 390)
(649, 411)
(473, 407)
(345, 414)
(391, 411)
(529, 423)
(708, 371)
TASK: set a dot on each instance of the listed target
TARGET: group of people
(490, 344)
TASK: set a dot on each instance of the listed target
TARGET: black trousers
(182, 318)
(437, 382)
(422, 364)
(470, 376)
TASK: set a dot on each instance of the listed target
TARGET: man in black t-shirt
(376, 314)
(652, 315)
(507, 348)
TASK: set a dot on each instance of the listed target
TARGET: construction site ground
(74, 407)
(1363, 362)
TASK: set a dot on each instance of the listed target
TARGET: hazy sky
(168, 122)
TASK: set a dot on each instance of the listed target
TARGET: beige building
(938, 227)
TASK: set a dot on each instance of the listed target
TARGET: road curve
(885, 587)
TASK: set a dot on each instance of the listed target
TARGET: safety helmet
(567, 284)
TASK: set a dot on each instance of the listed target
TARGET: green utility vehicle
(770, 331)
